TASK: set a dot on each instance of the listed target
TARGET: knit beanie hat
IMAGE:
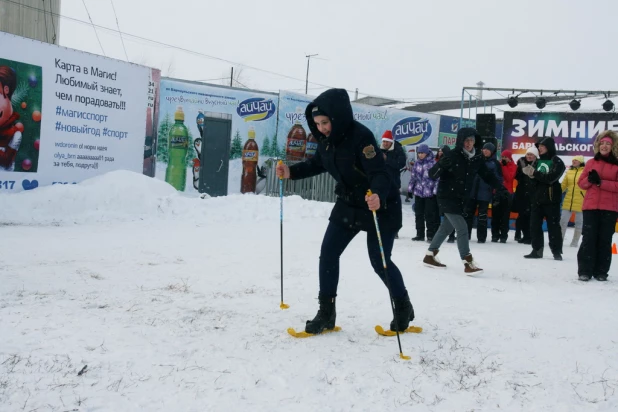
(490, 147)
(507, 154)
(316, 111)
(534, 151)
(423, 148)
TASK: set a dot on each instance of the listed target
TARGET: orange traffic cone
(614, 250)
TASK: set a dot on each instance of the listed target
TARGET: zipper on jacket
(599, 187)
(574, 184)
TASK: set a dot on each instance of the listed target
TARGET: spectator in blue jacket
(481, 195)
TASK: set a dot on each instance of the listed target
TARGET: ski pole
(388, 286)
(282, 305)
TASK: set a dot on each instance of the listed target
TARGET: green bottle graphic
(176, 172)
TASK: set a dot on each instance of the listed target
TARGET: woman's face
(575, 163)
(421, 156)
(530, 157)
(324, 125)
(605, 147)
(542, 149)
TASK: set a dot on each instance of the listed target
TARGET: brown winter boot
(470, 267)
(430, 260)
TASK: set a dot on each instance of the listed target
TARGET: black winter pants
(594, 257)
(481, 225)
(426, 213)
(336, 239)
(500, 215)
(523, 222)
(551, 213)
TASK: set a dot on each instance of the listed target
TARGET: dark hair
(8, 78)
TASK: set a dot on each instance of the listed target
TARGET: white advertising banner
(67, 115)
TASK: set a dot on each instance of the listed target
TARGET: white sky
(402, 49)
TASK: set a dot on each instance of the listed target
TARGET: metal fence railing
(320, 187)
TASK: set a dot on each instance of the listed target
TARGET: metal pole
(463, 91)
(232, 78)
(470, 107)
(309, 56)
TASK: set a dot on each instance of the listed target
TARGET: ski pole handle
(375, 221)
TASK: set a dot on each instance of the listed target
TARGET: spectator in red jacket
(600, 209)
(501, 208)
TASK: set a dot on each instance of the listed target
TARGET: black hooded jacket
(547, 187)
(525, 188)
(395, 161)
(351, 156)
(456, 171)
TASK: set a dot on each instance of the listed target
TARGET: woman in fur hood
(600, 209)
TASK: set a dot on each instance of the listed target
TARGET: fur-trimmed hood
(607, 133)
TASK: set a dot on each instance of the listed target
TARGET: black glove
(503, 162)
(495, 201)
(446, 163)
(594, 178)
(500, 196)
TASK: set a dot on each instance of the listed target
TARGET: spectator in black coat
(546, 198)
(395, 158)
(522, 202)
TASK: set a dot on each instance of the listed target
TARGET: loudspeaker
(486, 124)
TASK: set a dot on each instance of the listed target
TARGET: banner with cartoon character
(408, 128)
(66, 115)
(184, 111)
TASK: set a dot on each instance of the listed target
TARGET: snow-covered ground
(172, 302)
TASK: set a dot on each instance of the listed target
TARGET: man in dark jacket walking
(395, 158)
(456, 171)
(546, 198)
(347, 150)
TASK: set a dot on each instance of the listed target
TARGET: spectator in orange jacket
(501, 208)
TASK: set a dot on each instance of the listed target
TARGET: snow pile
(124, 196)
(118, 195)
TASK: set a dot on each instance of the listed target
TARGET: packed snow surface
(169, 302)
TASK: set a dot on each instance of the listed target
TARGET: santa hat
(387, 136)
(534, 151)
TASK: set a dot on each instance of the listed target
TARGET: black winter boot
(404, 313)
(325, 318)
(535, 254)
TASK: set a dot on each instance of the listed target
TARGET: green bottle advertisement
(176, 172)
